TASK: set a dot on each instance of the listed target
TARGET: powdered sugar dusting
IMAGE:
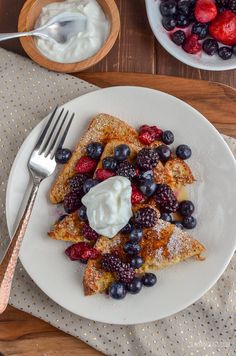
(178, 242)
(159, 253)
(161, 224)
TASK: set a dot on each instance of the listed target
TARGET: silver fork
(41, 165)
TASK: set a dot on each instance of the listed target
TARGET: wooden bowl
(28, 17)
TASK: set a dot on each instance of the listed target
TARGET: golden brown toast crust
(103, 128)
(162, 246)
(180, 172)
(68, 229)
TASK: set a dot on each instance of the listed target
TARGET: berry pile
(201, 25)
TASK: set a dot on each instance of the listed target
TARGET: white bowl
(200, 60)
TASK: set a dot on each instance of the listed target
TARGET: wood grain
(215, 101)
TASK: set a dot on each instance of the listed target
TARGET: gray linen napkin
(27, 94)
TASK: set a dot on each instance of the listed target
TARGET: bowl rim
(32, 51)
(184, 59)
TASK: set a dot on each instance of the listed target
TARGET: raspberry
(110, 262)
(126, 169)
(158, 132)
(147, 159)
(146, 217)
(192, 45)
(102, 174)
(89, 233)
(146, 137)
(81, 250)
(205, 11)
(148, 134)
(71, 202)
(76, 183)
(85, 165)
(125, 273)
(165, 197)
(136, 196)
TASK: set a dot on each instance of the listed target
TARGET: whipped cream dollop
(109, 205)
(82, 45)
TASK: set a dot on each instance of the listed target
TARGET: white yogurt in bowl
(82, 45)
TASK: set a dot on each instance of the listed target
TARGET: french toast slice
(180, 173)
(103, 128)
(162, 246)
(68, 229)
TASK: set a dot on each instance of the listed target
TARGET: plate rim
(200, 116)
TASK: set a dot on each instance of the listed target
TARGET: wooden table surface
(135, 51)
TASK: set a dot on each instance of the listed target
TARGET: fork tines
(54, 132)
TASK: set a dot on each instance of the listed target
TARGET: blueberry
(136, 235)
(94, 150)
(63, 155)
(210, 46)
(189, 222)
(149, 279)
(183, 152)
(166, 217)
(82, 212)
(186, 208)
(168, 23)
(200, 29)
(136, 262)
(148, 188)
(88, 184)
(178, 37)
(62, 217)
(168, 8)
(178, 224)
(132, 248)
(164, 153)
(182, 21)
(117, 290)
(234, 49)
(167, 137)
(109, 163)
(145, 175)
(127, 228)
(225, 53)
(183, 7)
(82, 260)
(135, 286)
(121, 152)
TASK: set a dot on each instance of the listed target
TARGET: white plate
(200, 60)
(214, 195)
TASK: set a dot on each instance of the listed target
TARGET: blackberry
(222, 3)
(168, 8)
(76, 183)
(89, 233)
(210, 46)
(126, 169)
(146, 217)
(71, 202)
(232, 5)
(184, 7)
(111, 263)
(182, 21)
(125, 273)
(147, 159)
(165, 197)
(178, 37)
(225, 53)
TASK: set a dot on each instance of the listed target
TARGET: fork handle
(8, 263)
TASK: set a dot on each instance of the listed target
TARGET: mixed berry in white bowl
(200, 33)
